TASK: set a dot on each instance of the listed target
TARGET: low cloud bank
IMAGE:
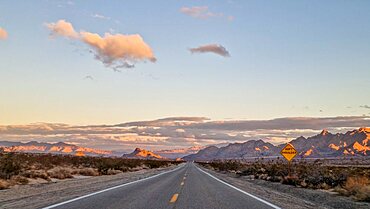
(180, 132)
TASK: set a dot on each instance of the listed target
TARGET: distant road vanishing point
(186, 186)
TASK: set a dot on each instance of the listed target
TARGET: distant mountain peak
(139, 153)
(364, 129)
(324, 132)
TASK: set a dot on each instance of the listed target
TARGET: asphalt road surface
(185, 187)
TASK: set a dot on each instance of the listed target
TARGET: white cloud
(3, 34)
(99, 16)
(213, 48)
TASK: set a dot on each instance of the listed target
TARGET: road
(182, 188)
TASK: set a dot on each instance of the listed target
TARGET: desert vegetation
(21, 168)
(348, 180)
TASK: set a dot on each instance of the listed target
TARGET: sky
(94, 62)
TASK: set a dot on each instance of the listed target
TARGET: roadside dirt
(290, 197)
(43, 194)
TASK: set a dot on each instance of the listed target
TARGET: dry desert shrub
(9, 166)
(86, 172)
(347, 180)
(358, 187)
(113, 172)
(34, 174)
(60, 173)
(19, 180)
(46, 166)
(4, 184)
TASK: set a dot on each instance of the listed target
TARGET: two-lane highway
(184, 187)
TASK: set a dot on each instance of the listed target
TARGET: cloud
(365, 106)
(118, 50)
(88, 77)
(202, 12)
(3, 34)
(62, 28)
(171, 121)
(287, 123)
(213, 48)
(99, 16)
(113, 50)
(180, 132)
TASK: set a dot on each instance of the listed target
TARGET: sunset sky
(93, 62)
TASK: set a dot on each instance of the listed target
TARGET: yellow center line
(174, 198)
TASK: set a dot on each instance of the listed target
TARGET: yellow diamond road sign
(289, 152)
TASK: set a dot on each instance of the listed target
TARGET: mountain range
(53, 148)
(325, 144)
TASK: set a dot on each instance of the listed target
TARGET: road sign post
(289, 152)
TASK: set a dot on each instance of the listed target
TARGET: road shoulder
(41, 195)
(287, 196)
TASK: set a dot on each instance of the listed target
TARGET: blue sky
(288, 58)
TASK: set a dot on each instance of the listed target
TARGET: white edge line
(244, 192)
(111, 188)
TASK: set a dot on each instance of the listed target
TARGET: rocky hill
(143, 154)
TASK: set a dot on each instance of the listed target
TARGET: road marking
(108, 189)
(182, 183)
(244, 192)
(174, 198)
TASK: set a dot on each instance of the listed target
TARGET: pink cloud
(3, 33)
(62, 28)
(113, 50)
(202, 12)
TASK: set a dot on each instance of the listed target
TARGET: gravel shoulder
(41, 195)
(287, 196)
